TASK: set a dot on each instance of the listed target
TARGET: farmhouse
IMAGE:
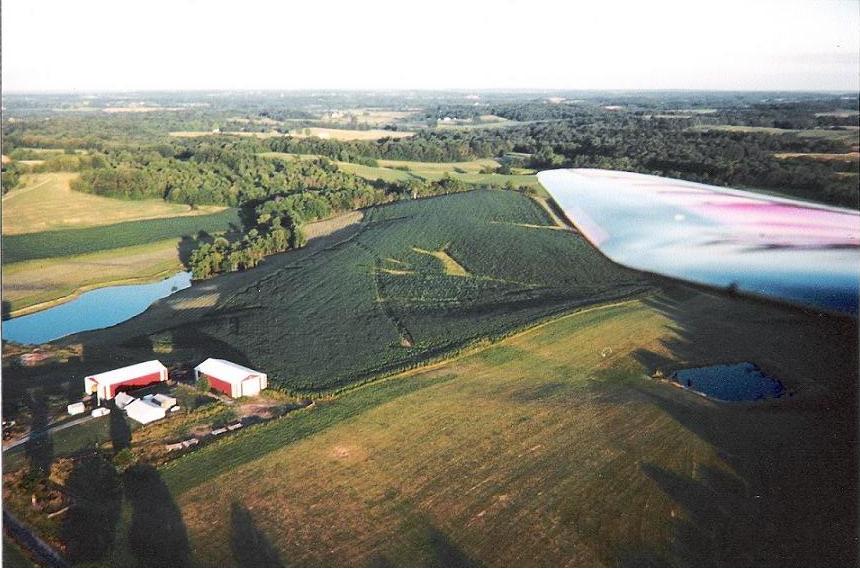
(231, 379)
(107, 384)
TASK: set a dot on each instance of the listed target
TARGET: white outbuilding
(231, 379)
(144, 411)
(107, 384)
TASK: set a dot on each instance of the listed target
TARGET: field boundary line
(481, 345)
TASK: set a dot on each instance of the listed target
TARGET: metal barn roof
(122, 374)
(227, 371)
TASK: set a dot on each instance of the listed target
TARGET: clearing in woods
(46, 202)
(549, 449)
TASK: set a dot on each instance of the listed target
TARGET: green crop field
(384, 301)
(68, 242)
(546, 448)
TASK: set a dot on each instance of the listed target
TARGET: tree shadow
(120, 432)
(39, 448)
(417, 534)
(6, 310)
(251, 547)
(789, 492)
(186, 246)
(88, 528)
(157, 535)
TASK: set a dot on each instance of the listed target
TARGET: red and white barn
(231, 379)
(107, 384)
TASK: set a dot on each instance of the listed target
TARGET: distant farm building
(107, 384)
(231, 379)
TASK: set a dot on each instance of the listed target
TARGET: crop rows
(374, 304)
(66, 242)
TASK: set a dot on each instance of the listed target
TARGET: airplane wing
(782, 249)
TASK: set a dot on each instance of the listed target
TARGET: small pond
(730, 382)
(95, 309)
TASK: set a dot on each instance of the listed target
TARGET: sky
(95, 45)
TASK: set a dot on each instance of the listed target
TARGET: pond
(95, 309)
(730, 382)
(796, 252)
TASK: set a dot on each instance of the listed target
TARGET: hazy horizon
(93, 46)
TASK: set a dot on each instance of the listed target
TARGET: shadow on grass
(251, 547)
(157, 536)
(789, 493)
(120, 432)
(39, 448)
(88, 528)
(424, 545)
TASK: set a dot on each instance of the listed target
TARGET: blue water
(95, 309)
(730, 382)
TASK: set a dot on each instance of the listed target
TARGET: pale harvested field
(847, 134)
(140, 109)
(839, 157)
(347, 134)
(471, 166)
(371, 116)
(199, 133)
(46, 202)
(37, 284)
(329, 226)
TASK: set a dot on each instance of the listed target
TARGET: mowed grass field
(68, 242)
(393, 170)
(385, 299)
(850, 135)
(45, 202)
(29, 284)
(552, 447)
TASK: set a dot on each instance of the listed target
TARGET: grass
(849, 135)
(45, 202)
(14, 556)
(375, 173)
(32, 284)
(392, 171)
(375, 304)
(69, 242)
(549, 449)
(472, 166)
(825, 157)
(64, 442)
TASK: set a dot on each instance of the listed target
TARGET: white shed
(144, 412)
(232, 379)
(123, 400)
